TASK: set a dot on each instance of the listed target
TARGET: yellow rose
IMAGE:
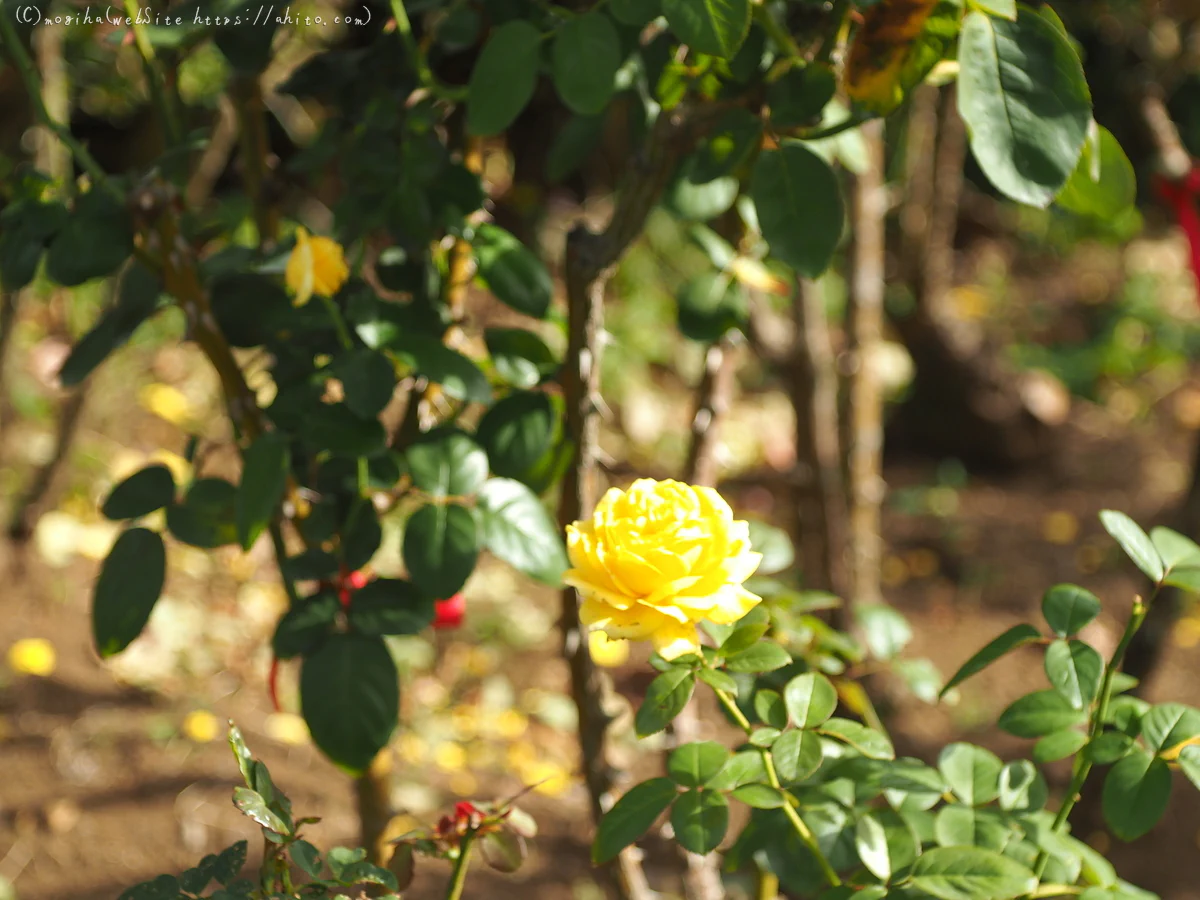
(317, 266)
(658, 559)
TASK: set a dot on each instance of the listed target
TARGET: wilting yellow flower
(32, 656)
(659, 558)
(317, 266)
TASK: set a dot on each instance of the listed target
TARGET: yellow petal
(675, 640)
(606, 651)
(32, 656)
(298, 275)
(200, 726)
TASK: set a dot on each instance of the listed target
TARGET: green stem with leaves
(159, 95)
(1082, 765)
(458, 878)
(798, 825)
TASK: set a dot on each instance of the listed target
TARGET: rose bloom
(317, 265)
(656, 560)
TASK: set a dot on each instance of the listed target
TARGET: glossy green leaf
(1022, 787)
(447, 463)
(743, 767)
(1017, 636)
(759, 796)
(770, 708)
(252, 804)
(1075, 670)
(797, 754)
(1068, 608)
(440, 547)
(799, 206)
(515, 527)
(774, 544)
(715, 27)
(1058, 745)
(1166, 725)
(765, 656)
(584, 62)
(694, 764)
(503, 78)
(718, 680)
(1040, 713)
(1135, 542)
(518, 433)
(511, 271)
(390, 606)
(700, 819)
(303, 627)
(1108, 747)
(970, 873)
(666, 697)
(867, 741)
(129, 585)
(1024, 98)
(798, 97)
(810, 699)
(971, 772)
(1189, 763)
(870, 840)
(956, 825)
(1103, 184)
(350, 697)
(1136, 792)
(459, 377)
(521, 357)
(631, 817)
(265, 468)
(143, 492)
(1175, 549)
(884, 628)
(207, 517)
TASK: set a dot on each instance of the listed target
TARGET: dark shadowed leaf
(1136, 792)
(631, 817)
(140, 494)
(129, 585)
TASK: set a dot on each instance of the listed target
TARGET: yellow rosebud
(317, 265)
(656, 560)
(607, 651)
(32, 656)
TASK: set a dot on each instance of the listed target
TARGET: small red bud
(449, 613)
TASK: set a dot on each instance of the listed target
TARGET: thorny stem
(459, 876)
(1082, 766)
(16, 52)
(802, 830)
(404, 27)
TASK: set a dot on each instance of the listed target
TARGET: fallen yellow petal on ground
(200, 726)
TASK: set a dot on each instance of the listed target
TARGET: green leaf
(810, 699)
(715, 27)
(521, 357)
(441, 545)
(1040, 713)
(1022, 787)
(746, 632)
(137, 301)
(1068, 608)
(760, 796)
(93, 242)
(207, 516)
(1106, 748)
(730, 144)
(775, 546)
(870, 840)
(164, 887)
(971, 772)
(1103, 184)
(350, 697)
(368, 379)
(696, 200)
(516, 528)
(799, 206)
(584, 62)
(305, 625)
(459, 377)
(1058, 745)
(576, 141)
(1135, 542)
(867, 741)
(798, 97)
(336, 428)
(635, 12)
(710, 305)
(1075, 670)
(718, 680)
(26, 227)
(797, 754)
(743, 767)
(265, 468)
(1136, 792)
(956, 825)
(631, 817)
(700, 819)
(764, 737)
(1166, 725)
(765, 656)
(694, 764)
(1024, 98)
(1005, 9)
(770, 708)
(970, 873)
(503, 78)
(252, 804)
(510, 270)
(666, 697)
(1017, 636)
(140, 494)
(130, 582)
(306, 856)
(885, 630)
(447, 463)
(390, 606)
(1175, 549)
(518, 432)
(361, 534)
(1189, 763)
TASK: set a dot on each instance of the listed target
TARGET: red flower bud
(449, 613)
